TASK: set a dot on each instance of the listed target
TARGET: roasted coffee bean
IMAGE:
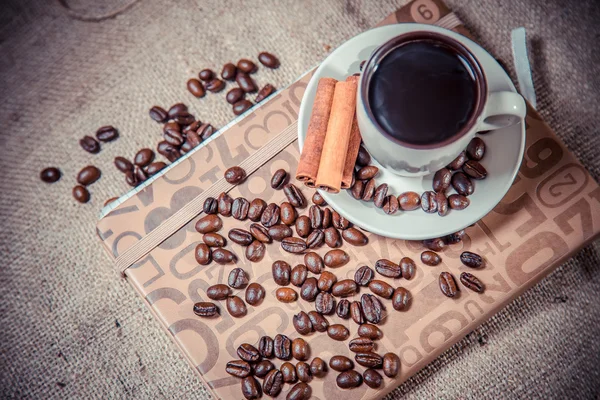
(436, 244)
(409, 201)
(327, 218)
(343, 309)
(380, 195)
(448, 284)
(319, 322)
(81, 194)
(206, 309)
(293, 245)
(241, 106)
(303, 371)
(471, 282)
(268, 60)
(237, 278)
(356, 312)
(248, 353)
(441, 180)
(309, 289)
(372, 308)
(223, 256)
(315, 239)
(442, 204)
(158, 114)
(155, 167)
(455, 237)
(205, 131)
(143, 157)
(325, 303)
(340, 363)
(282, 347)
(280, 231)
(318, 199)
(217, 292)
(273, 383)
(236, 307)
(336, 258)
(391, 365)
(228, 72)
(294, 195)
(270, 215)
(313, 262)
(428, 202)
(203, 254)
(185, 148)
(349, 379)
(339, 222)
(89, 144)
(363, 276)
(400, 299)
(458, 202)
(476, 149)
(372, 378)
(209, 223)
(326, 281)
(300, 350)
(262, 368)
(332, 237)
(215, 85)
(256, 209)
(471, 260)
(318, 367)
(195, 87)
(238, 368)
(361, 345)
(474, 169)
(300, 391)
(358, 189)
(366, 173)
(388, 268)
(281, 271)
(381, 288)
(287, 213)
(211, 206)
(303, 228)
(192, 138)
(338, 332)
(302, 323)
(430, 258)
(206, 74)
(286, 295)
(131, 179)
(363, 159)
(171, 127)
(369, 359)
(355, 237)
(279, 179)
(370, 331)
(235, 175)
(240, 208)
(246, 83)
(251, 388)
(246, 66)
(168, 151)
(298, 275)
(458, 162)
(369, 190)
(107, 133)
(316, 217)
(123, 164)
(265, 344)
(462, 184)
(88, 175)
(408, 267)
(177, 109)
(50, 175)
(234, 95)
(289, 372)
(344, 288)
(224, 204)
(140, 173)
(260, 233)
(265, 92)
(255, 294)
(255, 251)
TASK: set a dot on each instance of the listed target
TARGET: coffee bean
(168, 151)
(235, 175)
(448, 284)
(287, 213)
(238, 368)
(289, 372)
(361, 345)
(458, 202)
(217, 292)
(279, 179)
(260, 233)
(223, 256)
(369, 190)
(336, 258)
(380, 195)
(349, 379)
(316, 217)
(294, 195)
(408, 267)
(325, 303)
(343, 309)
(131, 179)
(241, 106)
(344, 288)
(471, 282)
(265, 92)
(327, 219)
(313, 262)
(158, 114)
(441, 180)
(372, 378)
(265, 344)
(341, 363)
(458, 162)
(203, 254)
(255, 251)
(50, 175)
(355, 237)
(268, 60)
(281, 271)
(370, 331)
(303, 228)
(315, 239)
(356, 312)
(409, 201)
(140, 173)
(332, 237)
(248, 353)
(240, 208)
(280, 231)
(155, 167)
(303, 371)
(309, 289)
(339, 222)
(366, 173)
(273, 383)
(471, 260)
(430, 258)
(228, 72)
(391, 365)
(318, 199)
(192, 140)
(282, 347)
(236, 307)
(177, 109)
(215, 85)
(300, 350)
(234, 95)
(195, 87)
(381, 288)
(143, 157)
(206, 74)
(318, 367)
(88, 175)
(107, 133)
(251, 388)
(462, 184)
(319, 322)
(300, 391)
(256, 208)
(225, 203)
(206, 309)
(338, 332)
(205, 131)
(302, 323)
(255, 293)
(369, 360)
(388, 268)
(298, 275)
(428, 202)
(476, 149)
(245, 82)
(358, 189)
(89, 144)
(363, 159)
(270, 215)
(455, 237)
(237, 278)
(474, 169)
(209, 223)
(210, 206)
(372, 308)
(400, 299)
(436, 244)
(262, 368)
(326, 281)
(286, 295)
(363, 276)
(81, 194)
(293, 245)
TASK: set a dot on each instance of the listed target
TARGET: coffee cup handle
(502, 109)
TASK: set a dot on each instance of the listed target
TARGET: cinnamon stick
(351, 155)
(308, 166)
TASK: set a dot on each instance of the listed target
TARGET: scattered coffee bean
(281, 271)
(349, 379)
(89, 144)
(209, 223)
(458, 202)
(303, 371)
(81, 194)
(458, 162)
(248, 353)
(455, 237)
(287, 213)
(255, 294)
(143, 157)
(380, 195)
(107, 202)
(369, 360)
(256, 208)
(343, 309)
(265, 344)
(319, 322)
(355, 237)
(203, 254)
(358, 189)
(236, 307)
(245, 82)
(315, 239)
(289, 372)
(318, 367)
(140, 173)
(400, 299)
(436, 244)
(206, 309)
(428, 202)
(363, 159)
(381, 288)
(223, 256)
(107, 133)
(246, 66)
(472, 282)
(462, 184)
(341, 363)
(363, 276)
(234, 95)
(210, 206)
(300, 350)
(255, 251)
(265, 92)
(370, 331)
(237, 278)
(286, 295)
(270, 215)
(268, 60)
(339, 222)
(326, 281)
(50, 175)
(356, 313)
(240, 208)
(309, 289)
(158, 114)
(298, 275)
(302, 323)
(131, 179)
(338, 332)
(177, 109)
(215, 85)
(174, 138)
(325, 303)
(333, 238)
(371, 308)
(409, 201)
(369, 190)
(315, 214)
(155, 167)
(228, 72)
(313, 262)
(300, 391)
(225, 203)
(262, 368)
(218, 292)
(408, 267)
(293, 245)
(168, 151)
(474, 169)
(361, 345)
(441, 180)
(205, 131)
(282, 347)
(448, 284)
(391, 365)
(327, 218)
(390, 205)
(318, 200)
(366, 173)
(294, 195)
(260, 233)
(471, 260)
(430, 258)
(235, 175)
(303, 228)
(88, 175)
(273, 383)
(241, 106)
(372, 378)
(196, 88)
(279, 179)
(206, 74)
(344, 288)
(476, 149)
(238, 368)
(336, 258)
(388, 268)
(251, 388)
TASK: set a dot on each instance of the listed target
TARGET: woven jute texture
(71, 328)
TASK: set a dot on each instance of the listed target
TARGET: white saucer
(504, 148)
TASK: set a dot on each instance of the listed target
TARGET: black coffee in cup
(423, 92)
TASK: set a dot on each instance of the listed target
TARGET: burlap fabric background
(72, 329)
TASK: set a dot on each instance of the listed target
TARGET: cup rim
(415, 36)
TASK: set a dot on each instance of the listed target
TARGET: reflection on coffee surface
(422, 93)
